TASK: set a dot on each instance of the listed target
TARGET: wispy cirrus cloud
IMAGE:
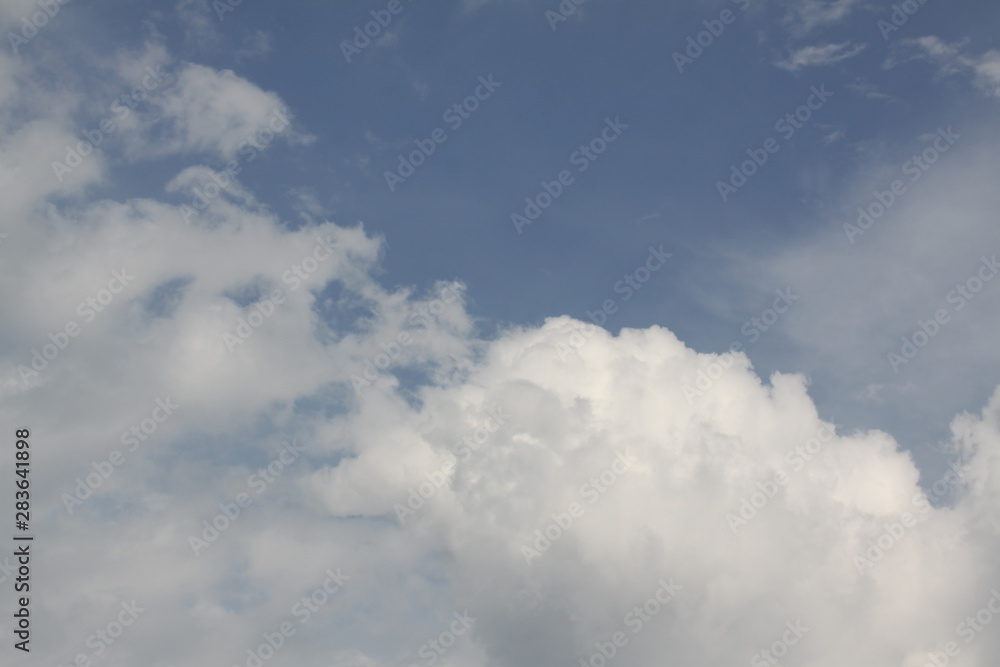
(951, 60)
(805, 16)
(817, 56)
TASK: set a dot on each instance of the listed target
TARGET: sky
(500, 332)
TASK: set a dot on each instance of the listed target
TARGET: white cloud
(869, 89)
(575, 403)
(255, 45)
(805, 16)
(952, 59)
(814, 56)
(216, 113)
(199, 23)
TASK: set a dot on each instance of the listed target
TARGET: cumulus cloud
(383, 471)
(216, 113)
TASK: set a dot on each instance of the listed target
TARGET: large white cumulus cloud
(806, 555)
(350, 402)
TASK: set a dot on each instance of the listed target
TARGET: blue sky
(657, 185)
(430, 303)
